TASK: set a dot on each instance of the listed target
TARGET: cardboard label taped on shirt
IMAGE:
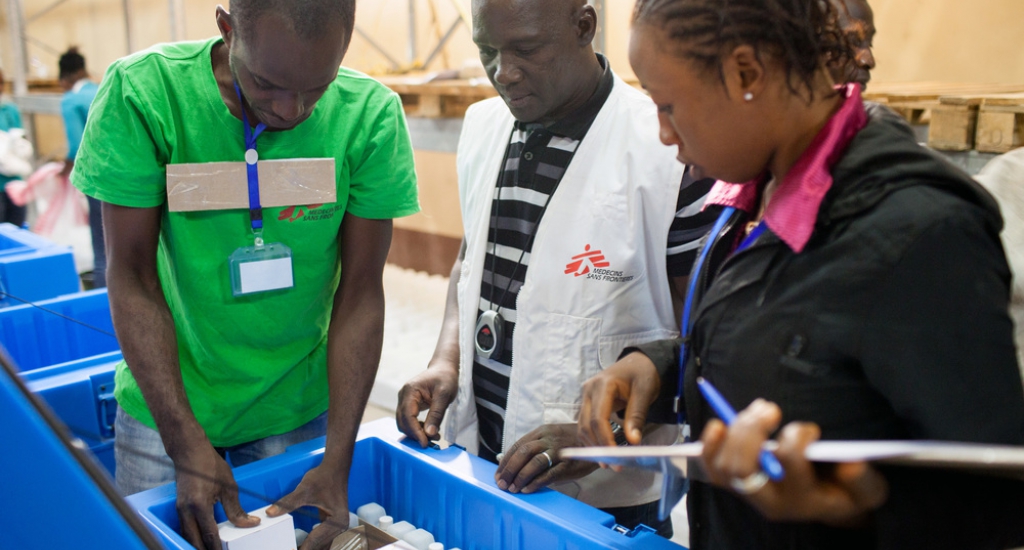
(225, 185)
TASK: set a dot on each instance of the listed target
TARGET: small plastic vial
(386, 522)
(371, 513)
(419, 538)
(401, 528)
(435, 546)
(300, 537)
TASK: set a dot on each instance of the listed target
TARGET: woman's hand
(842, 497)
(631, 383)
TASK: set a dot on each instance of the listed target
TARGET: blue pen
(769, 463)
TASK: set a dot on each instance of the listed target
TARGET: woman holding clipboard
(853, 288)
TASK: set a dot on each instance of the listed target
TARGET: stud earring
(748, 96)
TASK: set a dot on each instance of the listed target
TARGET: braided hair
(70, 63)
(803, 35)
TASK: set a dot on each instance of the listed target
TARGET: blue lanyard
(691, 291)
(251, 156)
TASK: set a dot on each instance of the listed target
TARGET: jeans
(647, 514)
(10, 212)
(99, 250)
(142, 461)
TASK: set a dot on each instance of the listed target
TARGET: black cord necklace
(490, 326)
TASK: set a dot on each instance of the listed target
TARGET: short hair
(309, 18)
(71, 62)
(801, 34)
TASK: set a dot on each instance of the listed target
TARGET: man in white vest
(571, 249)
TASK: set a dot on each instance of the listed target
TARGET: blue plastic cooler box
(81, 394)
(33, 268)
(55, 497)
(449, 493)
(46, 335)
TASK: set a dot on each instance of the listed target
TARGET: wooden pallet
(957, 123)
(916, 112)
(954, 123)
(1000, 123)
(949, 108)
(438, 99)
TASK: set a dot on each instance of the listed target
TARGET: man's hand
(532, 462)
(204, 478)
(632, 383)
(65, 171)
(843, 497)
(435, 388)
(327, 490)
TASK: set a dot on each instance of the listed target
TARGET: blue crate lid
(43, 471)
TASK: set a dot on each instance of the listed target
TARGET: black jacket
(891, 324)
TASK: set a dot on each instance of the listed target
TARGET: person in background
(1002, 177)
(79, 92)
(216, 373)
(572, 249)
(856, 290)
(10, 118)
(858, 22)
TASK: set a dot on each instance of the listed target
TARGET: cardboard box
(271, 534)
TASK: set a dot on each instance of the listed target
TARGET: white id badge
(261, 269)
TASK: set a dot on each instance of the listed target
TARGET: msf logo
(581, 264)
(293, 213)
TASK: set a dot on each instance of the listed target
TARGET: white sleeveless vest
(575, 312)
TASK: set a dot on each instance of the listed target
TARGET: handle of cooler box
(107, 410)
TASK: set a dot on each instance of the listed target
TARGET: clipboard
(677, 462)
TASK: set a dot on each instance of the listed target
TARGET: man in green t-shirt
(209, 373)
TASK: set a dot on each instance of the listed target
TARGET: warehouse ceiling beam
(395, 65)
(463, 14)
(43, 45)
(176, 9)
(412, 32)
(128, 26)
(441, 43)
(600, 38)
(16, 27)
(44, 11)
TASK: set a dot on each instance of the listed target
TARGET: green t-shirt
(253, 366)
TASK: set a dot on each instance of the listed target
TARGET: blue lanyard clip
(252, 170)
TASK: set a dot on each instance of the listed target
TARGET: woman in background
(855, 288)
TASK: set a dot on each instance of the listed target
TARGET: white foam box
(271, 534)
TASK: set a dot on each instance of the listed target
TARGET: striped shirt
(535, 160)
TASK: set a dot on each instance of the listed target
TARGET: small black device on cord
(490, 326)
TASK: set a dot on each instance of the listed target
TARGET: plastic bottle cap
(435, 546)
(386, 521)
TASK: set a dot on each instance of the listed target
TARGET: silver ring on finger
(750, 484)
(547, 456)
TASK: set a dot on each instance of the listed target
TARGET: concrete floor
(414, 309)
(373, 412)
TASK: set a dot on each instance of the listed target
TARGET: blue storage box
(43, 334)
(54, 498)
(81, 394)
(449, 493)
(33, 268)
